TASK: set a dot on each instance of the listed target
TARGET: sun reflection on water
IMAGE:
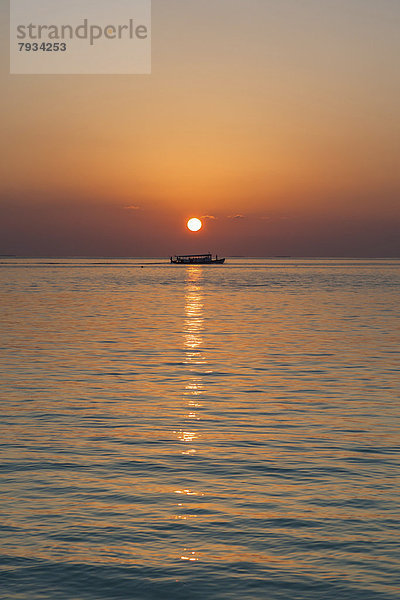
(194, 316)
(194, 359)
(191, 556)
(187, 436)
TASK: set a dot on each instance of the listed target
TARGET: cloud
(236, 216)
(132, 207)
(208, 217)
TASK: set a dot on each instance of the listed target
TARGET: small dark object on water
(196, 259)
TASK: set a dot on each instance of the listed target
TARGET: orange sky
(283, 112)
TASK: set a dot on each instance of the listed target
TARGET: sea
(200, 432)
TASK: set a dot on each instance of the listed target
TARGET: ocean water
(226, 432)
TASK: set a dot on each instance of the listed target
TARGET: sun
(194, 224)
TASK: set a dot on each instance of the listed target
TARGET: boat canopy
(208, 255)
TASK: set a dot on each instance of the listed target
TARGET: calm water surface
(199, 432)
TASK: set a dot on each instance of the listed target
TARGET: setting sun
(194, 224)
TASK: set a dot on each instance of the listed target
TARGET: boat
(197, 259)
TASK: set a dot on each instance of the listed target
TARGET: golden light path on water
(194, 360)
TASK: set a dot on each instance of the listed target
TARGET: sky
(275, 121)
